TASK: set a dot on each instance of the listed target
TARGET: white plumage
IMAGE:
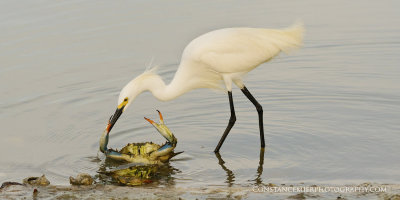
(220, 55)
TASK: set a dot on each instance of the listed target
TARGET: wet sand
(119, 192)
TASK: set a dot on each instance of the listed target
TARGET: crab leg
(104, 137)
(104, 142)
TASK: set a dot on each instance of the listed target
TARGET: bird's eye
(126, 99)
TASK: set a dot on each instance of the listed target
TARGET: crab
(146, 152)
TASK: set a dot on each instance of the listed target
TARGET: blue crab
(145, 152)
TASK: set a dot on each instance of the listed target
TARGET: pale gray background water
(331, 109)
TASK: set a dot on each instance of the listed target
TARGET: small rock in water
(81, 179)
(39, 181)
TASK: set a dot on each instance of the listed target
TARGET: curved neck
(160, 90)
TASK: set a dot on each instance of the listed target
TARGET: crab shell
(145, 153)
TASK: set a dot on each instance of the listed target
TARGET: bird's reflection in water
(163, 174)
(258, 179)
(230, 176)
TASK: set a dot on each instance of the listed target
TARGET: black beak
(114, 118)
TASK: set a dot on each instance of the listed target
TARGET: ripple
(329, 107)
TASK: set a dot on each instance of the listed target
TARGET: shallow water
(331, 109)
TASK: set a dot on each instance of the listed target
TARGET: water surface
(331, 109)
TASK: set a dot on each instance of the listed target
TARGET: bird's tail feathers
(293, 36)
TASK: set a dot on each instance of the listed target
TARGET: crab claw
(161, 117)
(150, 121)
(163, 129)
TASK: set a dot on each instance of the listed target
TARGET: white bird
(220, 56)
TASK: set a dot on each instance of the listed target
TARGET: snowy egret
(220, 56)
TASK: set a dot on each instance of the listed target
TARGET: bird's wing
(236, 50)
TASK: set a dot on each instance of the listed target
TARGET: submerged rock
(38, 181)
(81, 179)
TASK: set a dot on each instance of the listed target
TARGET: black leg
(232, 121)
(260, 114)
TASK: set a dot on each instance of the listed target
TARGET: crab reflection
(132, 174)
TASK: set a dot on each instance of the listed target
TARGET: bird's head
(127, 95)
